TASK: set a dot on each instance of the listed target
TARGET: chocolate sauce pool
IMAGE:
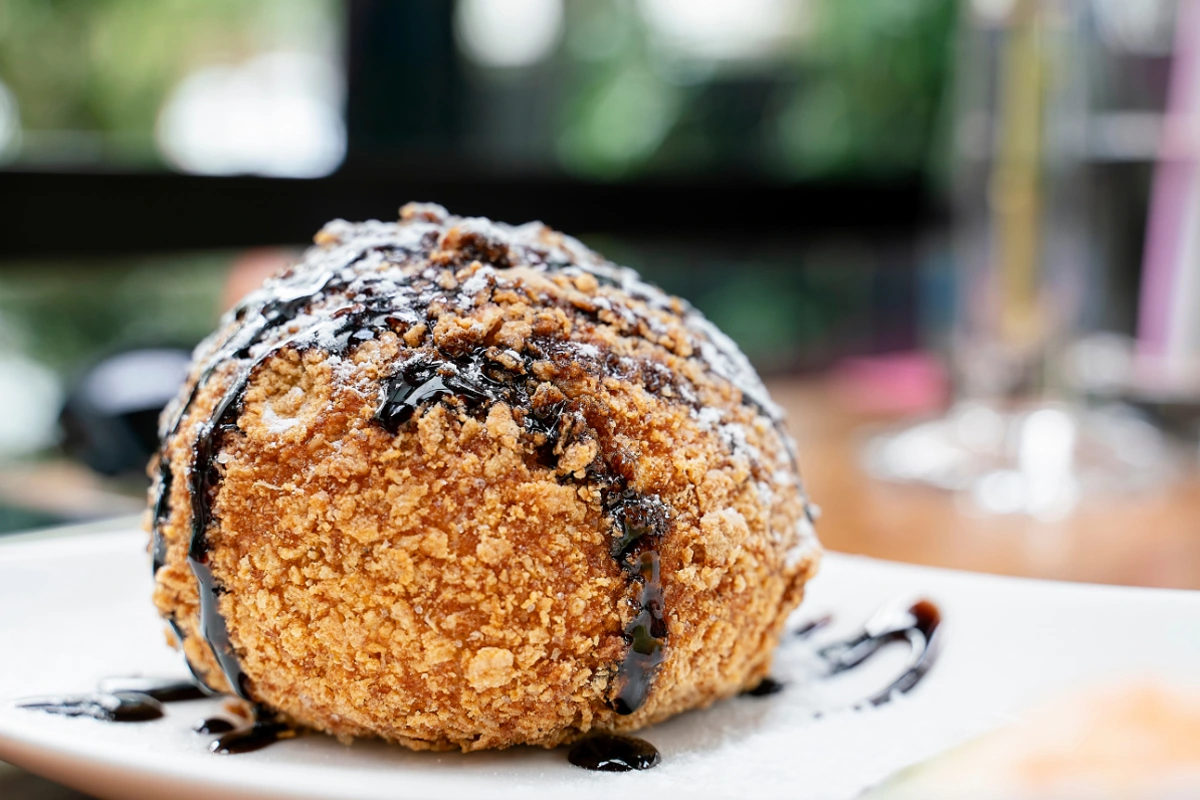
(610, 753)
(214, 725)
(765, 688)
(251, 738)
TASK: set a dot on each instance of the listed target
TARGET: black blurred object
(1178, 416)
(110, 417)
(187, 212)
(388, 108)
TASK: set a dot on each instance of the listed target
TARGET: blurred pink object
(1169, 313)
(250, 269)
(896, 383)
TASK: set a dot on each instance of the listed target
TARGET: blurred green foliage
(854, 90)
(858, 92)
(875, 77)
(68, 314)
(107, 66)
(787, 305)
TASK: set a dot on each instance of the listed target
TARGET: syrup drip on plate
(918, 626)
(120, 700)
(765, 688)
(610, 753)
(250, 738)
(168, 691)
(141, 700)
(214, 725)
(106, 707)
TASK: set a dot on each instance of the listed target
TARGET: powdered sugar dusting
(726, 360)
(356, 259)
(708, 416)
(276, 423)
(734, 437)
(805, 546)
(482, 278)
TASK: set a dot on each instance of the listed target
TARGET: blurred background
(961, 238)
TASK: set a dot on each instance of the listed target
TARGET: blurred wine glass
(1041, 125)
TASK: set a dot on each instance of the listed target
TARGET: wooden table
(1149, 540)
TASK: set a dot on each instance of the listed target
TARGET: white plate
(74, 610)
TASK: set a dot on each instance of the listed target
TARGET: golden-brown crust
(447, 586)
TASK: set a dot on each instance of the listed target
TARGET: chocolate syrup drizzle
(349, 293)
(918, 626)
(104, 706)
(639, 521)
(169, 691)
(647, 638)
(120, 700)
(141, 700)
(250, 738)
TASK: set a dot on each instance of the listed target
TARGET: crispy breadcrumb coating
(483, 511)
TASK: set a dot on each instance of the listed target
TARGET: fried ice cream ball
(460, 484)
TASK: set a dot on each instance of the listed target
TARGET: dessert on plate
(461, 484)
